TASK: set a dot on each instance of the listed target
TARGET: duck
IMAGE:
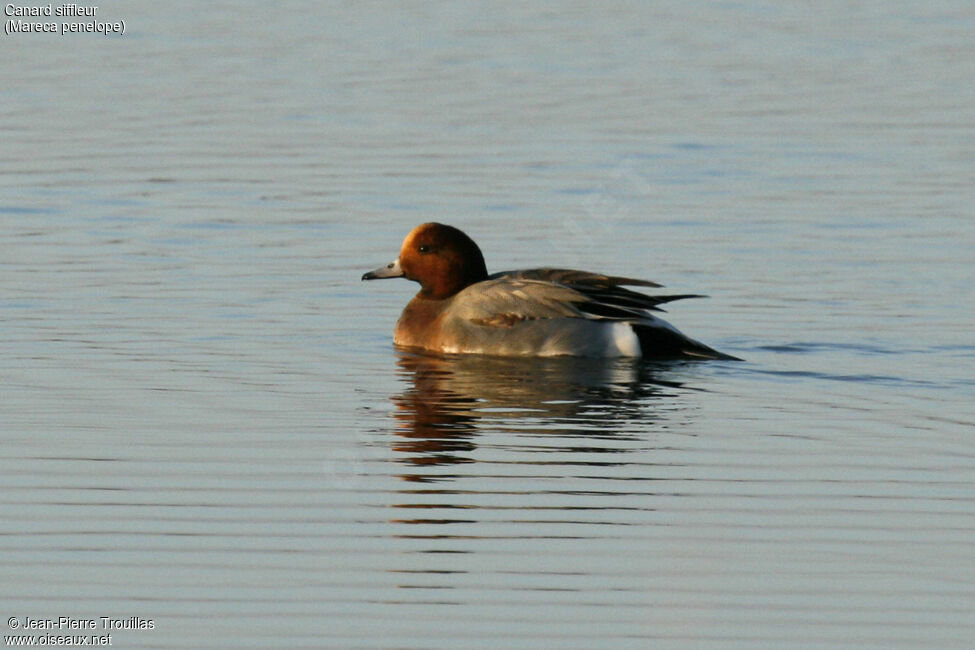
(540, 312)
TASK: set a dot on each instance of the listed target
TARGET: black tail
(661, 343)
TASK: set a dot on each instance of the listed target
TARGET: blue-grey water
(204, 424)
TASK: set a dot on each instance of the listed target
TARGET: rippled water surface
(204, 423)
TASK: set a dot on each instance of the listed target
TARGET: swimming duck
(534, 312)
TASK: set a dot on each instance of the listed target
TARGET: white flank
(623, 341)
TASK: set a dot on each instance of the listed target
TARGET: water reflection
(450, 399)
(508, 452)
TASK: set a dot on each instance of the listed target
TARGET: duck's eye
(424, 248)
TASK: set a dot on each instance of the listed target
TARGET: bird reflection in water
(501, 448)
(451, 399)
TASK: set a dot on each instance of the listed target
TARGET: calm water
(203, 421)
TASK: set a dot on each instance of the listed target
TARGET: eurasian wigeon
(536, 312)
